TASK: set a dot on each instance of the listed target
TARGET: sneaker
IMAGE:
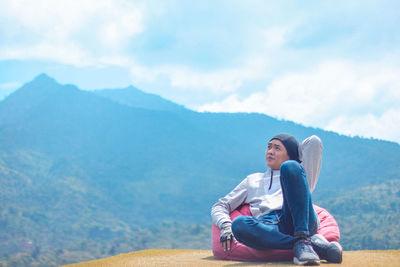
(330, 251)
(304, 253)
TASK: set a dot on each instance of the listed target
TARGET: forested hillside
(92, 174)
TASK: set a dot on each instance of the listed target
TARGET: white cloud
(10, 85)
(333, 96)
(274, 36)
(119, 23)
(384, 126)
(124, 61)
(217, 81)
(67, 53)
(71, 32)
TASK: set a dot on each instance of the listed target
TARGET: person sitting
(281, 204)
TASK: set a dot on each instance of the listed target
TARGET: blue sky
(328, 64)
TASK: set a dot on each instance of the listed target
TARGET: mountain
(133, 97)
(80, 167)
(368, 216)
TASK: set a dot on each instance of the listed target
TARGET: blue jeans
(276, 230)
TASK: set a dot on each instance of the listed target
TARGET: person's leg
(298, 215)
(260, 233)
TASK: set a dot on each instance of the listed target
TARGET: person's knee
(246, 231)
(239, 225)
(291, 167)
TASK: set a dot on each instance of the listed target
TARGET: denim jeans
(276, 230)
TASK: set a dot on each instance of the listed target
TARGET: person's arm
(310, 151)
(221, 210)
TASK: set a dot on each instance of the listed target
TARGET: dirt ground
(204, 258)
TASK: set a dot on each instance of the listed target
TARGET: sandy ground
(204, 258)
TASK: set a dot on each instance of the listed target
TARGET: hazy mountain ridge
(133, 97)
(76, 165)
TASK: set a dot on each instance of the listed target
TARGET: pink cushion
(239, 252)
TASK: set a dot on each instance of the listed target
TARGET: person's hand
(226, 236)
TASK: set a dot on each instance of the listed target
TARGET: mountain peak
(44, 78)
(28, 96)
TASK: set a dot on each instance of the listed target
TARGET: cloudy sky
(328, 64)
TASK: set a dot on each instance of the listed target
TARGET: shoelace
(305, 244)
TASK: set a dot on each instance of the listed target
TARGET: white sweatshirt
(254, 189)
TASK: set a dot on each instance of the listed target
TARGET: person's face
(276, 154)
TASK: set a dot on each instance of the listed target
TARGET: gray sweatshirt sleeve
(310, 151)
(220, 211)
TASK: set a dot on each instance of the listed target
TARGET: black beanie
(291, 145)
